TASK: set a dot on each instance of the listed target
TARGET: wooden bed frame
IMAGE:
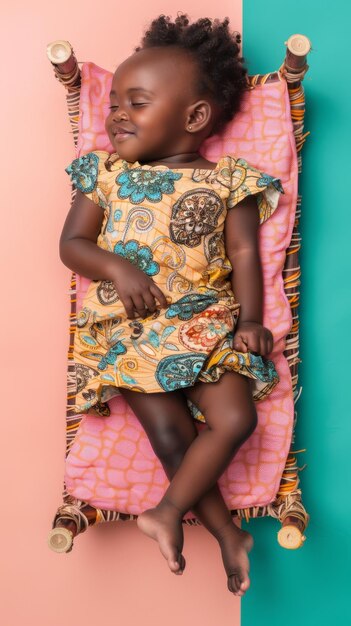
(74, 516)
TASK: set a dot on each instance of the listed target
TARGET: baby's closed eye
(113, 107)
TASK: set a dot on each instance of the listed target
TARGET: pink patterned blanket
(111, 463)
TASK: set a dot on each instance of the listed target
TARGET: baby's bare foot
(164, 524)
(235, 545)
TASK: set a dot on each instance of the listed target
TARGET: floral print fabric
(169, 223)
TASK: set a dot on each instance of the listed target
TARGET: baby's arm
(241, 241)
(78, 249)
(80, 252)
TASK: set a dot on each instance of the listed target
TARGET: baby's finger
(149, 300)
(129, 307)
(139, 305)
(239, 343)
(263, 346)
(254, 344)
(159, 295)
(266, 343)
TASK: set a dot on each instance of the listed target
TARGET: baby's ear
(199, 116)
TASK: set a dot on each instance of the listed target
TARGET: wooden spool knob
(290, 537)
(59, 51)
(60, 539)
(299, 45)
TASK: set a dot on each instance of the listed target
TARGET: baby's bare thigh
(155, 410)
(230, 397)
(167, 422)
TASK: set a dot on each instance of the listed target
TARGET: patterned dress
(169, 223)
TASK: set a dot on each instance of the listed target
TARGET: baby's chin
(123, 151)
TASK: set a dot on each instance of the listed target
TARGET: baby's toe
(175, 561)
(237, 584)
(181, 561)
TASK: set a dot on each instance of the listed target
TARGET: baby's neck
(184, 160)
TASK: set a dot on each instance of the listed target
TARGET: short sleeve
(246, 180)
(86, 173)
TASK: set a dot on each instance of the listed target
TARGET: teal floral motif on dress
(158, 339)
(111, 356)
(190, 304)
(117, 215)
(263, 369)
(179, 370)
(266, 180)
(244, 163)
(84, 172)
(138, 184)
(141, 256)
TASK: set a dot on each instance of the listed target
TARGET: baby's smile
(121, 133)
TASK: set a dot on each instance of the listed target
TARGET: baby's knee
(170, 444)
(237, 425)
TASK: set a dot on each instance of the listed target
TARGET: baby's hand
(137, 291)
(254, 337)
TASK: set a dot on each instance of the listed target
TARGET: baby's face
(150, 95)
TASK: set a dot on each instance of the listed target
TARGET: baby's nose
(120, 115)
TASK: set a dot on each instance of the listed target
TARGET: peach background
(113, 570)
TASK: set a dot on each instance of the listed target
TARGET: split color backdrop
(114, 574)
(310, 586)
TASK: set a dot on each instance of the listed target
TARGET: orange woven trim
(289, 480)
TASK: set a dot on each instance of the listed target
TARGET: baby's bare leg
(231, 418)
(171, 429)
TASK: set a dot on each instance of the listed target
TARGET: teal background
(312, 585)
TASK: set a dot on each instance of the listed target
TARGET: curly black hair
(215, 48)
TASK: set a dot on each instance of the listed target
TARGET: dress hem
(259, 392)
